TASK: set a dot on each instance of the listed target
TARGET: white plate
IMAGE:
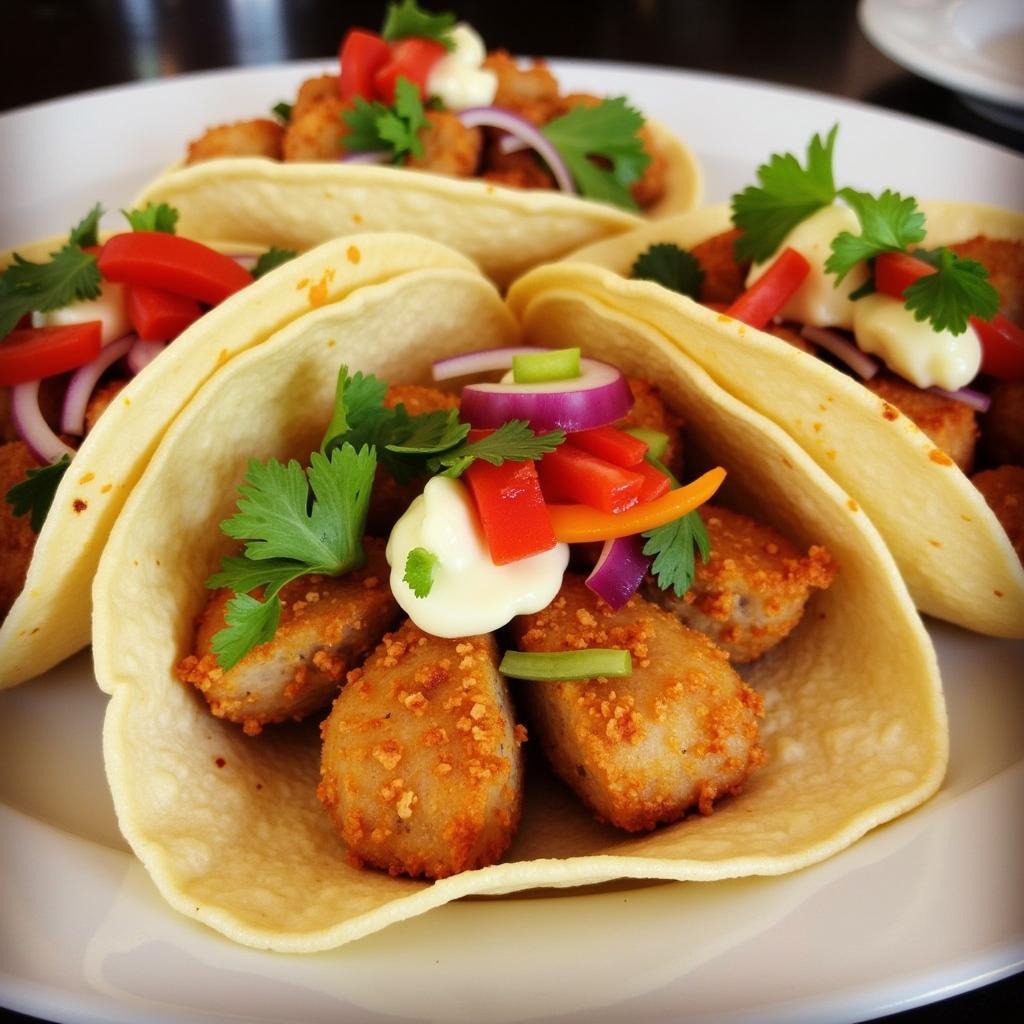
(973, 46)
(925, 907)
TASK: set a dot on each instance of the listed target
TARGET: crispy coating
(422, 769)
(650, 411)
(1002, 430)
(751, 593)
(1003, 489)
(531, 92)
(328, 624)
(100, 400)
(16, 537)
(679, 733)
(259, 137)
(1004, 261)
(519, 170)
(312, 91)
(318, 134)
(390, 499)
(724, 277)
(949, 423)
(449, 147)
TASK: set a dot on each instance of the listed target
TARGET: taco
(858, 373)
(72, 447)
(486, 156)
(284, 839)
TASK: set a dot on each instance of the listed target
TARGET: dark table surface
(51, 48)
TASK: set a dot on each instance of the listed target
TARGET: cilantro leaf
(409, 19)
(153, 217)
(672, 267)
(888, 223)
(672, 546)
(787, 194)
(513, 441)
(241, 575)
(87, 230)
(361, 119)
(419, 571)
(271, 260)
(611, 131)
(34, 495)
(282, 111)
(70, 275)
(358, 400)
(958, 290)
(431, 432)
(249, 624)
(375, 127)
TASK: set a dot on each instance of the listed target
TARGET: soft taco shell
(855, 728)
(955, 556)
(50, 619)
(251, 200)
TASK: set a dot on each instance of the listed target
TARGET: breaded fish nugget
(750, 594)
(328, 624)
(260, 137)
(422, 772)
(1002, 436)
(1003, 258)
(724, 276)
(1003, 489)
(449, 147)
(16, 537)
(679, 733)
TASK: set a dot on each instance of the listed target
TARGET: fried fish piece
(1003, 489)
(1003, 258)
(259, 137)
(679, 733)
(317, 132)
(725, 278)
(313, 91)
(531, 92)
(1002, 431)
(751, 593)
(328, 624)
(449, 147)
(16, 537)
(422, 770)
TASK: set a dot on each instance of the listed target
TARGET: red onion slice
(977, 400)
(31, 425)
(599, 396)
(497, 117)
(483, 361)
(142, 353)
(371, 157)
(83, 383)
(510, 144)
(619, 571)
(843, 349)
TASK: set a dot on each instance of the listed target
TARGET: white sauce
(818, 302)
(912, 348)
(458, 79)
(109, 308)
(470, 594)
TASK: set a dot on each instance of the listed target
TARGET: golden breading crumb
(449, 147)
(313, 91)
(259, 137)
(1003, 490)
(317, 131)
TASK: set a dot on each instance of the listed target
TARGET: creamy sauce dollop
(108, 307)
(458, 79)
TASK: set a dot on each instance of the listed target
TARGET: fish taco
(362, 611)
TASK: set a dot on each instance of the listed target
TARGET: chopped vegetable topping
(375, 127)
(553, 666)
(512, 442)
(671, 267)
(419, 571)
(34, 495)
(655, 440)
(271, 260)
(540, 367)
(888, 223)
(153, 217)
(282, 111)
(87, 231)
(409, 19)
(957, 290)
(788, 194)
(673, 546)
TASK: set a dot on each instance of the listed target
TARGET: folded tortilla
(255, 201)
(50, 619)
(951, 549)
(229, 826)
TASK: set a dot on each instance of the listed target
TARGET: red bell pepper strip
(362, 55)
(158, 315)
(511, 508)
(586, 479)
(611, 444)
(770, 292)
(173, 263)
(413, 58)
(34, 352)
(655, 482)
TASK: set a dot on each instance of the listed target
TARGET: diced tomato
(586, 479)
(362, 55)
(611, 444)
(895, 272)
(35, 352)
(511, 508)
(172, 263)
(770, 292)
(655, 482)
(158, 315)
(413, 58)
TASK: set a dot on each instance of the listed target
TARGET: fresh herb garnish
(271, 260)
(419, 571)
(153, 217)
(673, 546)
(888, 223)
(611, 131)
(87, 231)
(513, 441)
(958, 290)
(375, 127)
(409, 19)
(788, 194)
(282, 111)
(294, 522)
(34, 495)
(671, 267)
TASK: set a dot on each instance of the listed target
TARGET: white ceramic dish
(925, 907)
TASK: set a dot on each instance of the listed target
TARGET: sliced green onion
(550, 667)
(656, 441)
(541, 367)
